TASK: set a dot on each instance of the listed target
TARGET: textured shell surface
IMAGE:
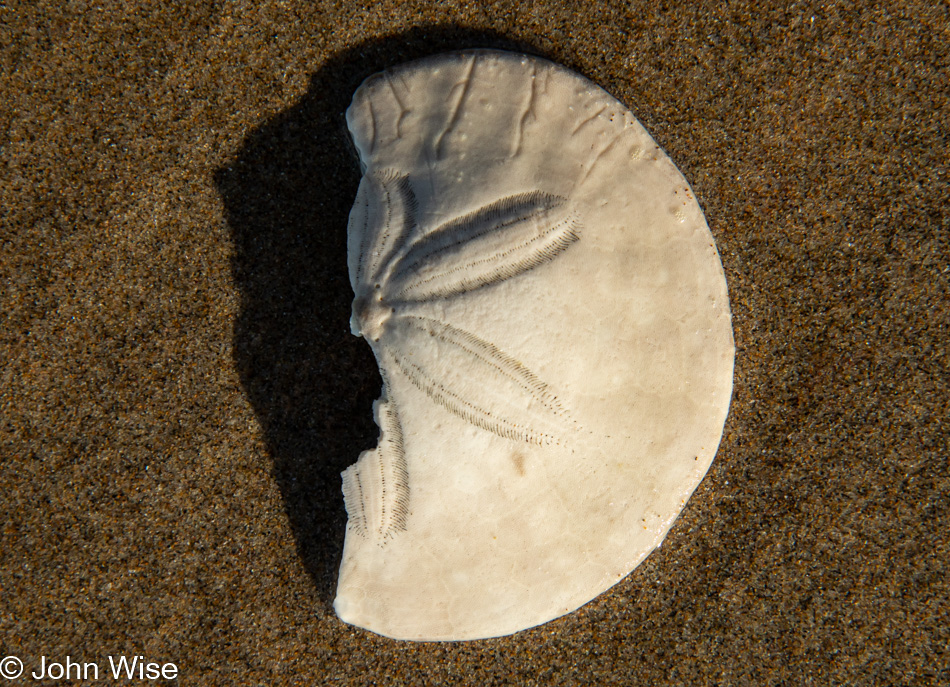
(551, 322)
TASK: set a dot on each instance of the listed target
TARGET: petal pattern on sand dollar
(396, 267)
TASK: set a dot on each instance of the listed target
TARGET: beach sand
(181, 391)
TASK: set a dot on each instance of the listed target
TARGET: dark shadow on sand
(287, 194)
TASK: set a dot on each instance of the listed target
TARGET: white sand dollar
(551, 322)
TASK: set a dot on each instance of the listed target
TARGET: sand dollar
(550, 318)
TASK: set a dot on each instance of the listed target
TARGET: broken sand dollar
(551, 323)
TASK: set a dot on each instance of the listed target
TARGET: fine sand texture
(180, 390)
